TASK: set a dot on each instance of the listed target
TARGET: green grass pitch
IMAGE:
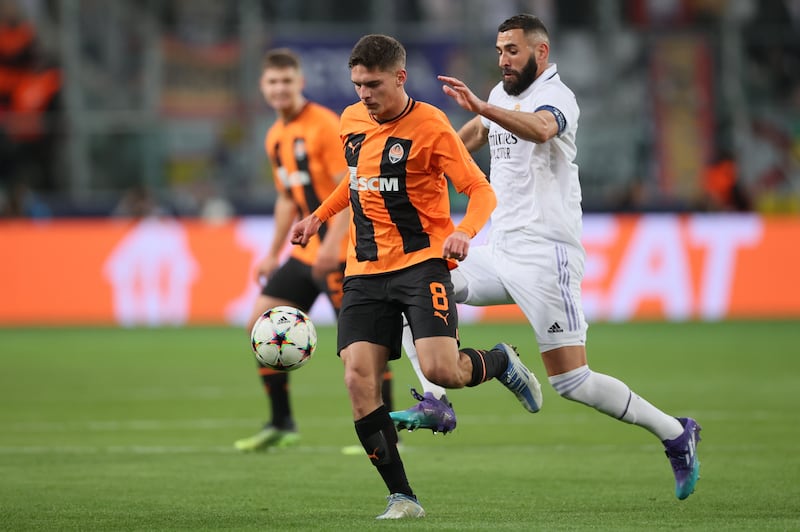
(132, 429)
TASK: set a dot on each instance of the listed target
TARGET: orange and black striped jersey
(306, 157)
(397, 191)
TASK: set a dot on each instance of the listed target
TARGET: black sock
(276, 384)
(485, 364)
(379, 437)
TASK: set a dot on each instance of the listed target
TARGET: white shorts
(541, 276)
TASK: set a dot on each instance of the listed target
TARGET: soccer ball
(283, 338)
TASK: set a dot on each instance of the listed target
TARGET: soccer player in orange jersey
(307, 162)
(400, 153)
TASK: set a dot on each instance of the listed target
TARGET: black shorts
(373, 306)
(293, 282)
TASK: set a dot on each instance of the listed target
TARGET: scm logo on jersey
(382, 184)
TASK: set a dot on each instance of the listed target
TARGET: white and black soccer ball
(283, 338)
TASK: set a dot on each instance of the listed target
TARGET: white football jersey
(537, 185)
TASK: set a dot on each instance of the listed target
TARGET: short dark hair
(280, 58)
(527, 23)
(378, 51)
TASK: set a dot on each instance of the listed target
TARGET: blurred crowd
(151, 106)
(30, 84)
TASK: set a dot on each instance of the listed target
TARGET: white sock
(411, 353)
(613, 397)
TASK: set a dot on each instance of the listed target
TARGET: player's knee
(441, 375)
(354, 377)
(350, 381)
(356, 380)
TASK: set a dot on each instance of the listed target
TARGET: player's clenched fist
(303, 230)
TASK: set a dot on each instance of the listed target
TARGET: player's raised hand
(303, 230)
(458, 90)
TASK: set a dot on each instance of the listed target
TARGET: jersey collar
(407, 109)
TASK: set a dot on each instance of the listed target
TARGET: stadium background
(136, 190)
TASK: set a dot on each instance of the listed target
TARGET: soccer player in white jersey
(534, 256)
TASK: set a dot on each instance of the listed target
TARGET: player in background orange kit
(400, 153)
(305, 151)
